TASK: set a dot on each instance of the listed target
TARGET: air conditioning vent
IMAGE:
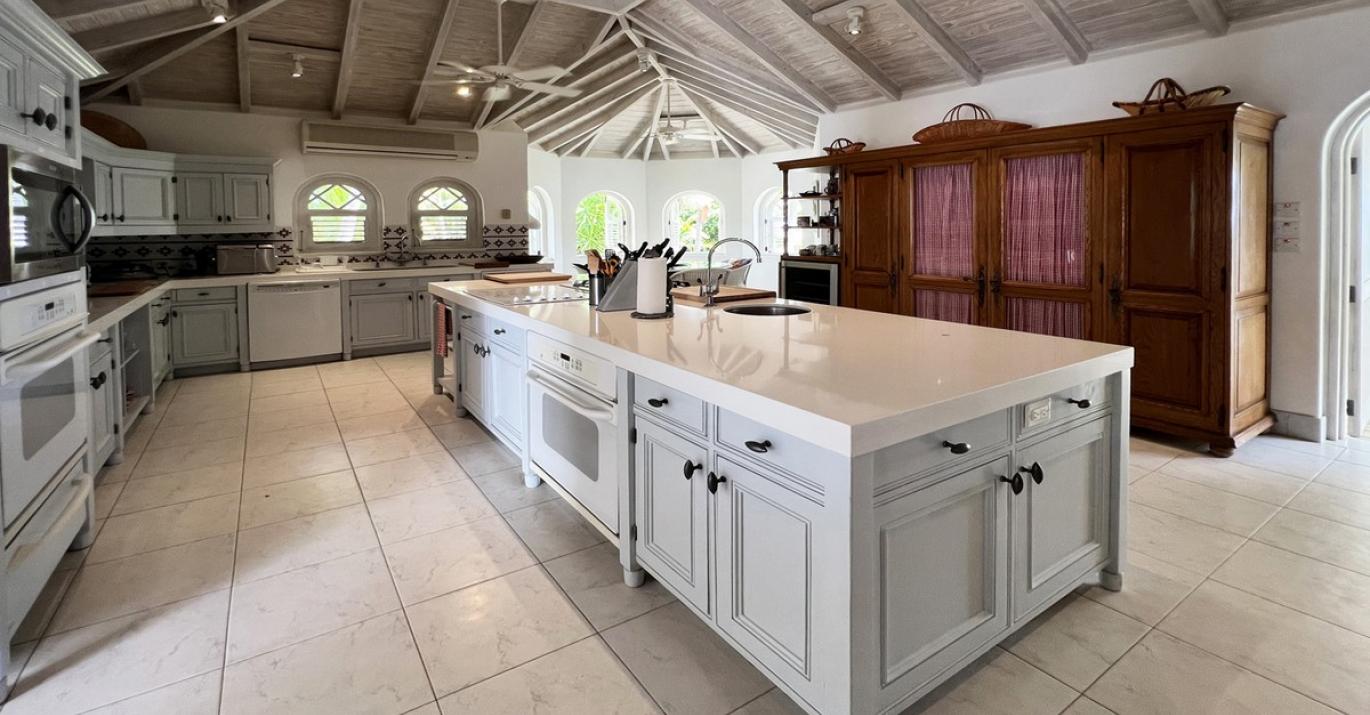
(413, 142)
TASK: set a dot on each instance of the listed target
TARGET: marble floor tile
(313, 399)
(1151, 588)
(390, 447)
(776, 702)
(301, 497)
(368, 390)
(1134, 473)
(576, 680)
(285, 374)
(506, 491)
(1328, 592)
(193, 696)
(999, 683)
(352, 374)
(1085, 706)
(260, 444)
(155, 462)
(435, 409)
(477, 632)
(683, 664)
(288, 466)
(409, 474)
(114, 473)
(286, 419)
(1345, 475)
(460, 433)
(379, 424)
(368, 406)
(118, 588)
(105, 497)
(451, 559)
(1184, 543)
(1322, 661)
(410, 514)
(196, 432)
(553, 528)
(1150, 455)
(593, 578)
(288, 608)
(227, 382)
(1330, 541)
(1219, 509)
(305, 541)
(1326, 448)
(428, 709)
(1076, 640)
(368, 667)
(178, 487)
(484, 457)
(130, 534)
(117, 659)
(202, 408)
(44, 607)
(1235, 477)
(310, 383)
(1278, 459)
(1347, 507)
(1164, 675)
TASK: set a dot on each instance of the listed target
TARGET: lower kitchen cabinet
(161, 339)
(204, 334)
(382, 319)
(106, 405)
(672, 506)
(473, 371)
(507, 394)
(424, 325)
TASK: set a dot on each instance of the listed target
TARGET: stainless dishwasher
(291, 320)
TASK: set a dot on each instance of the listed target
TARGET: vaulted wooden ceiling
(754, 74)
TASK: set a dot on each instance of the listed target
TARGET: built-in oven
(574, 426)
(47, 219)
(809, 281)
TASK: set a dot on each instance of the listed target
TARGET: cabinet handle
(1016, 483)
(714, 481)
(119, 218)
(996, 284)
(658, 402)
(165, 320)
(1035, 471)
(465, 317)
(691, 468)
(411, 297)
(220, 219)
(98, 380)
(957, 447)
(103, 217)
(1082, 404)
(499, 331)
(38, 115)
(759, 447)
(1115, 294)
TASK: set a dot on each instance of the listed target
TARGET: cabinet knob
(103, 217)
(38, 115)
(714, 481)
(759, 447)
(500, 331)
(1035, 471)
(119, 218)
(957, 447)
(1082, 404)
(98, 380)
(691, 468)
(1016, 483)
(658, 402)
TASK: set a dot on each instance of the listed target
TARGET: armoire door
(942, 249)
(1044, 257)
(1164, 190)
(870, 222)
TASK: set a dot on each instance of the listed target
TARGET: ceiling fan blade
(701, 136)
(550, 89)
(537, 73)
(498, 93)
(458, 66)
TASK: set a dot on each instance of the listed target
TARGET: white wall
(1309, 69)
(500, 174)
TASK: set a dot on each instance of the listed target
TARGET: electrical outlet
(1035, 413)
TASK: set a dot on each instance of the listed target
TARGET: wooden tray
(121, 288)
(726, 294)
(484, 263)
(517, 278)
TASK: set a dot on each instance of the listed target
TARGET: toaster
(232, 260)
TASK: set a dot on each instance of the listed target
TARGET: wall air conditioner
(372, 140)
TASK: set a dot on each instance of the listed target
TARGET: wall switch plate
(506, 213)
(1035, 413)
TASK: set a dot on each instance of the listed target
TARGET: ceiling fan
(500, 80)
(670, 134)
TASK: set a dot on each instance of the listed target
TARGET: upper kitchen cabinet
(943, 273)
(143, 198)
(869, 281)
(41, 69)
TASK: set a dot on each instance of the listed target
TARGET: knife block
(621, 294)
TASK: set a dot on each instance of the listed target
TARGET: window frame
(674, 235)
(762, 218)
(628, 222)
(546, 229)
(474, 216)
(371, 235)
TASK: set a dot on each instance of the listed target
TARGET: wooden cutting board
(517, 278)
(484, 263)
(726, 294)
(121, 288)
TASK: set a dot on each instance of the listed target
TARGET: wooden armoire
(1146, 231)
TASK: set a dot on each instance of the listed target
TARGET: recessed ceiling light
(298, 70)
(463, 90)
(856, 17)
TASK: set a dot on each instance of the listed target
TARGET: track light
(856, 17)
(463, 90)
(644, 59)
(297, 71)
(218, 11)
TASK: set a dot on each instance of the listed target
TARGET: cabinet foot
(531, 480)
(634, 578)
(459, 411)
(1111, 581)
(117, 457)
(86, 536)
(437, 389)
(1222, 450)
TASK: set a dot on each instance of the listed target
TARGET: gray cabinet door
(104, 194)
(200, 198)
(942, 575)
(12, 95)
(161, 338)
(1061, 522)
(672, 511)
(423, 315)
(473, 375)
(47, 89)
(204, 334)
(507, 396)
(143, 197)
(105, 406)
(383, 319)
(248, 198)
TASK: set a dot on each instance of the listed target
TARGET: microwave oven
(47, 219)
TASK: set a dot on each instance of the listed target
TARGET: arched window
(603, 220)
(694, 219)
(339, 214)
(770, 221)
(540, 237)
(443, 213)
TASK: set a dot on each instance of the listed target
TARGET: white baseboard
(1309, 428)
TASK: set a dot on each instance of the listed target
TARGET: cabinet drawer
(773, 448)
(656, 399)
(505, 334)
(101, 348)
(1062, 406)
(381, 285)
(220, 294)
(469, 321)
(964, 442)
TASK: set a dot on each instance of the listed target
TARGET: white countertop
(852, 381)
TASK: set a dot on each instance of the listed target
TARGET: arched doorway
(1345, 233)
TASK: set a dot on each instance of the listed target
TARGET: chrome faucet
(709, 288)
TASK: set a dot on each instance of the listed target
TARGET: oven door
(44, 416)
(48, 223)
(571, 440)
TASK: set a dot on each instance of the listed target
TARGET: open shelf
(820, 197)
(133, 407)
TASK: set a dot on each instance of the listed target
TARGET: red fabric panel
(1046, 317)
(1044, 220)
(941, 305)
(944, 220)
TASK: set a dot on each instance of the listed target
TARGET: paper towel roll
(651, 286)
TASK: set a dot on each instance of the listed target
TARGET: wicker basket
(844, 146)
(1166, 95)
(979, 124)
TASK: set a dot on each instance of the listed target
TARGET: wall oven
(809, 281)
(47, 218)
(574, 426)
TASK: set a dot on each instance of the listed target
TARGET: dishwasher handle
(287, 287)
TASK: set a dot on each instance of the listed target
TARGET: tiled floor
(331, 540)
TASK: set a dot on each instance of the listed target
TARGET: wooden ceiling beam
(244, 69)
(716, 124)
(722, 78)
(939, 40)
(602, 40)
(1053, 20)
(858, 62)
(759, 105)
(633, 145)
(67, 10)
(627, 76)
(540, 8)
(589, 145)
(610, 110)
(1211, 15)
(782, 69)
(656, 123)
(267, 47)
(135, 93)
(435, 48)
(573, 138)
(154, 27)
(175, 47)
(586, 81)
(349, 56)
(773, 123)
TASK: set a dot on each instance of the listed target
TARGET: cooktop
(530, 294)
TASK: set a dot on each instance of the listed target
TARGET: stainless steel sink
(768, 309)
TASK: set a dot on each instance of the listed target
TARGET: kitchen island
(861, 504)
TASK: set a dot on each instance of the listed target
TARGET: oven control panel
(29, 317)
(594, 373)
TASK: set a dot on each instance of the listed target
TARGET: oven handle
(587, 411)
(87, 218)
(49, 359)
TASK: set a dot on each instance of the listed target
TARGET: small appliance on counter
(250, 258)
